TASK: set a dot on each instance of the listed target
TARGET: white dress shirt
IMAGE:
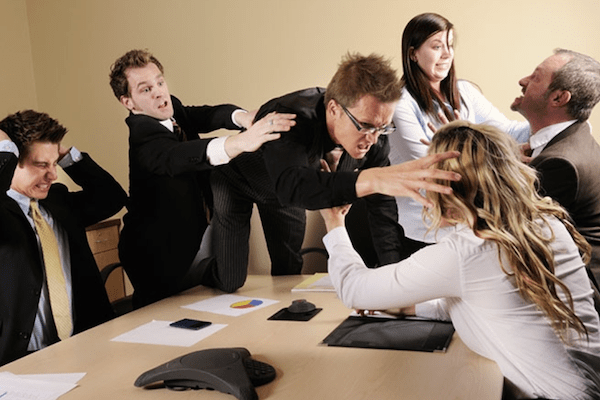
(541, 138)
(411, 126)
(44, 332)
(215, 151)
(460, 278)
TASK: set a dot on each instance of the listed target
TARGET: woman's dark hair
(416, 32)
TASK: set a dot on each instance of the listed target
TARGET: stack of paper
(36, 387)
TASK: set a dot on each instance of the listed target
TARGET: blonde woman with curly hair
(510, 276)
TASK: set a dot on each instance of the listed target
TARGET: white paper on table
(159, 332)
(15, 387)
(72, 378)
(231, 304)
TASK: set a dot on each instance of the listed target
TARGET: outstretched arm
(407, 179)
(259, 133)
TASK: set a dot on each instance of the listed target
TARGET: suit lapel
(570, 131)
(13, 207)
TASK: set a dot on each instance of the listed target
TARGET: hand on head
(408, 179)
(62, 150)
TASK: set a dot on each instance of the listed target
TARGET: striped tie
(59, 299)
(179, 132)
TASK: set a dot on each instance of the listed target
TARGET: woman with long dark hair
(432, 95)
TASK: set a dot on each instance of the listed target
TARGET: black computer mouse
(301, 306)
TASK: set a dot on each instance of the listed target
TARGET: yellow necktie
(59, 299)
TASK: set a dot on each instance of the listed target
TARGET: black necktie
(179, 132)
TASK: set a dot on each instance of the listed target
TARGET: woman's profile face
(435, 56)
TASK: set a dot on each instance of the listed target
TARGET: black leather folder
(392, 333)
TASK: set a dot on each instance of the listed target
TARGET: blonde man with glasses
(346, 124)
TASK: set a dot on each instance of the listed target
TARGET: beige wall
(16, 79)
(246, 52)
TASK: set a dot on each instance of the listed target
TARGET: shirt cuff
(215, 151)
(70, 158)
(336, 235)
(432, 309)
(233, 114)
(9, 146)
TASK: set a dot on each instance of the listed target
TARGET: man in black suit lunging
(160, 245)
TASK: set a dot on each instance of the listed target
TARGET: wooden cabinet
(103, 238)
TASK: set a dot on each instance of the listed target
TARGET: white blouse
(411, 127)
(460, 278)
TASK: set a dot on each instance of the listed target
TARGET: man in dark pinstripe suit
(168, 174)
(285, 177)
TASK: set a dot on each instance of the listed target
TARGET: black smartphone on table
(188, 323)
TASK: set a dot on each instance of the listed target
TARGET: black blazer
(21, 267)
(168, 184)
(569, 171)
(292, 170)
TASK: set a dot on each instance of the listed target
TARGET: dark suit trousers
(283, 228)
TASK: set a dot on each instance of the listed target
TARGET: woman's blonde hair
(497, 198)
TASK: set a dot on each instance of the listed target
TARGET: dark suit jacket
(293, 171)
(569, 170)
(167, 187)
(21, 268)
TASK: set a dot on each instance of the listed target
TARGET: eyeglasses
(383, 130)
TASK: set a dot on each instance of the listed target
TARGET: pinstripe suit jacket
(168, 184)
(291, 170)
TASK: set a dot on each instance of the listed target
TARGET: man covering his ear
(50, 285)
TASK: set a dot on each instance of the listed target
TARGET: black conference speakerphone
(228, 370)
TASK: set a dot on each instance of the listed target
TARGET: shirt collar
(541, 138)
(21, 199)
(168, 123)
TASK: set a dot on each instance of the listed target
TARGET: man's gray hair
(581, 77)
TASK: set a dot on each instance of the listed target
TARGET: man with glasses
(346, 124)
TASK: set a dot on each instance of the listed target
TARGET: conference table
(306, 369)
